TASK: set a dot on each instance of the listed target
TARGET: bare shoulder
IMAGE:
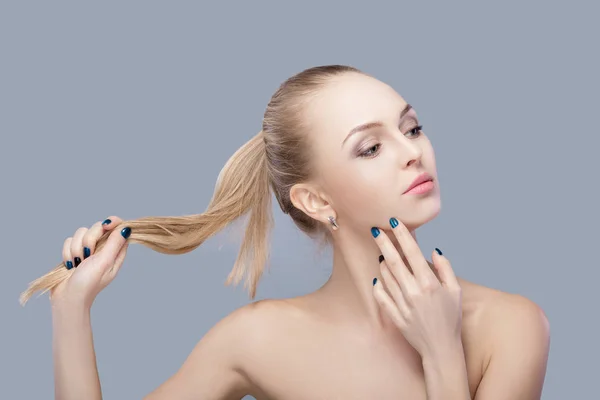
(264, 327)
(496, 307)
(512, 333)
(217, 366)
(271, 316)
(502, 319)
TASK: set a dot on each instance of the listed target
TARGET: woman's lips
(422, 188)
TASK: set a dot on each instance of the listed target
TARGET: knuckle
(455, 290)
(76, 248)
(86, 241)
(429, 286)
(97, 225)
(412, 295)
(80, 231)
(67, 248)
(395, 263)
(397, 295)
(396, 272)
(90, 238)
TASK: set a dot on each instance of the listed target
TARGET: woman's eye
(369, 152)
(372, 151)
(417, 130)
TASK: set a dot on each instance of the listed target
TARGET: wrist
(443, 353)
(62, 308)
(445, 371)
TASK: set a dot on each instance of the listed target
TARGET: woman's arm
(446, 373)
(210, 372)
(75, 373)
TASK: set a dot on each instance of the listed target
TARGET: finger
(394, 289)
(434, 270)
(412, 252)
(405, 287)
(444, 270)
(386, 302)
(113, 245)
(111, 222)
(77, 246)
(90, 239)
(119, 260)
(394, 261)
(66, 253)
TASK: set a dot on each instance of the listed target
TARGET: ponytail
(242, 186)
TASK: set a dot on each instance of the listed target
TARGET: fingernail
(375, 232)
(438, 251)
(106, 222)
(126, 232)
(393, 222)
(77, 261)
(374, 281)
(69, 264)
(381, 258)
(86, 253)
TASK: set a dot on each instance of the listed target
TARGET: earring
(332, 220)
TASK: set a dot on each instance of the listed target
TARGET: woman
(341, 151)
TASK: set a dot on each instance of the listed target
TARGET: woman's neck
(347, 295)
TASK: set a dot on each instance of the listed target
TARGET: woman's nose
(408, 152)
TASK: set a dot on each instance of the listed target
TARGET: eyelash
(366, 154)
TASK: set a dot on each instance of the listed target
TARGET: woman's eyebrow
(374, 124)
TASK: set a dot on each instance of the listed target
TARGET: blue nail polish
(393, 222)
(126, 232)
(86, 253)
(374, 281)
(375, 232)
(438, 251)
(77, 261)
(106, 222)
(381, 258)
(69, 264)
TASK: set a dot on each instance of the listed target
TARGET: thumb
(119, 260)
(113, 245)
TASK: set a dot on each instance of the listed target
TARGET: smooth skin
(425, 306)
(288, 351)
(209, 373)
(346, 340)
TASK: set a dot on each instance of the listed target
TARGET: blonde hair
(277, 158)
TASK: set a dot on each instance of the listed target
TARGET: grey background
(132, 108)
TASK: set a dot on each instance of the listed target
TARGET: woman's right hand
(94, 269)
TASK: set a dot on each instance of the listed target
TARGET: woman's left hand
(427, 310)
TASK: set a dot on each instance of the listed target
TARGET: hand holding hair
(242, 188)
(94, 267)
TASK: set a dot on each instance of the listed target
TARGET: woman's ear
(312, 202)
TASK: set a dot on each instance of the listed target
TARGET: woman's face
(364, 174)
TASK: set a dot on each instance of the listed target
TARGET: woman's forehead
(352, 100)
